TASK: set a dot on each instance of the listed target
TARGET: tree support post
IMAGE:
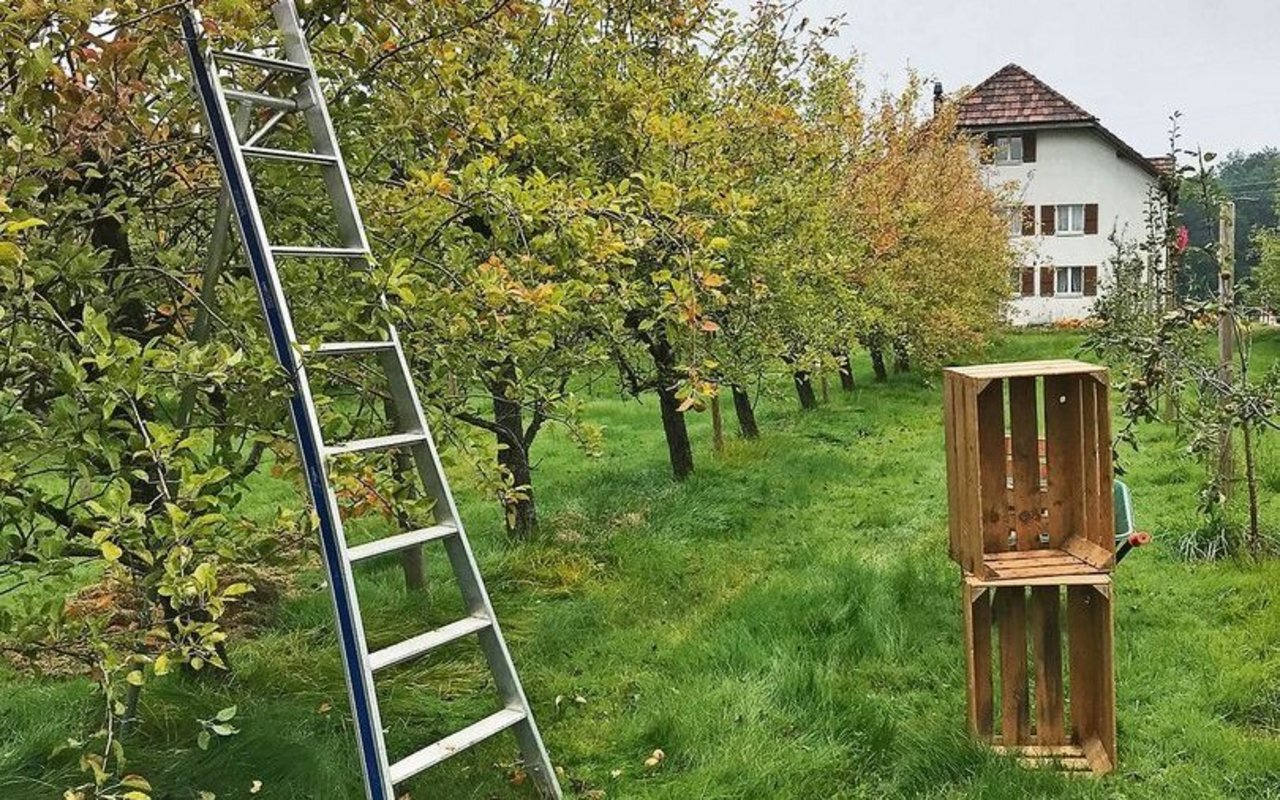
(1226, 335)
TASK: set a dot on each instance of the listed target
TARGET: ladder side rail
(465, 568)
(410, 416)
(274, 306)
(316, 112)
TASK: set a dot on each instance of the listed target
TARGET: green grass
(784, 624)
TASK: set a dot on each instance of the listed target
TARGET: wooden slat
(1034, 570)
(1024, 437)
(1064, 451)
(1029, 369)
(1010, 610)
(953, 467)
(1096, 756)
(977, 614)
(1041, 751)
(993, 498)
(1091, 578)
(967, 451)
(1039, 558)
(1095, 555)
(1091, 496)
(1046, 642)
(1106, 470)
(1070, 764)
(1018, 556)
(1107, 667)
(1089, 660)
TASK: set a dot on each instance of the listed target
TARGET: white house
(1076, 182)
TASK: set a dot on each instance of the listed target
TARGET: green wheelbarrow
(1127, 537)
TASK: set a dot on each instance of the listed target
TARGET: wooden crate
(1030, 706)
(1029, 469)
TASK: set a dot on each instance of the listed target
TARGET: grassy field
(784, 624)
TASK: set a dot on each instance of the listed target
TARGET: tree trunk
(877, 364)
(717, 424)
(901, 360)
(804, 390)
(826, 390)
(677, 433)
(521, 515)
(673, 422)
(746, 414)
(846, 373)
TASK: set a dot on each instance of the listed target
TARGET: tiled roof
(1163, 164)
(1014, 96)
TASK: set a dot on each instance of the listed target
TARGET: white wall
(1074, 165)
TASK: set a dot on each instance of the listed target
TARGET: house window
(1070, 280)
(1070, 220)
(1008, 149)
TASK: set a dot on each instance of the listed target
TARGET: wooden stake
(717, 423)
(1226, 333)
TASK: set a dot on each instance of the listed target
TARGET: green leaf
(111, 551)
(226, 714)
(135, 678)
(10, 254)
(203, 739)
(22, 225)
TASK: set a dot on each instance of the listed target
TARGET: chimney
(937, 97)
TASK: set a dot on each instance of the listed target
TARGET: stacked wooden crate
(1029, 481)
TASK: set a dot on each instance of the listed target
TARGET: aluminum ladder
(233, 144)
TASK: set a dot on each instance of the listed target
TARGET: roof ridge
(1046, 87)
(985, 105)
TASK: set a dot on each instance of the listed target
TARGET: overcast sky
(1131, 63)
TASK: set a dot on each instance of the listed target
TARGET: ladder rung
(289, 155)
(425, 643)
(433, 754)
(259, 99)
(400, 541)
(376, 443)
(262, 62)
(346, 348)
(319, 252)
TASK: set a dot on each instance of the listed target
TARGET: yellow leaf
(135, 678)
(111, 551)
